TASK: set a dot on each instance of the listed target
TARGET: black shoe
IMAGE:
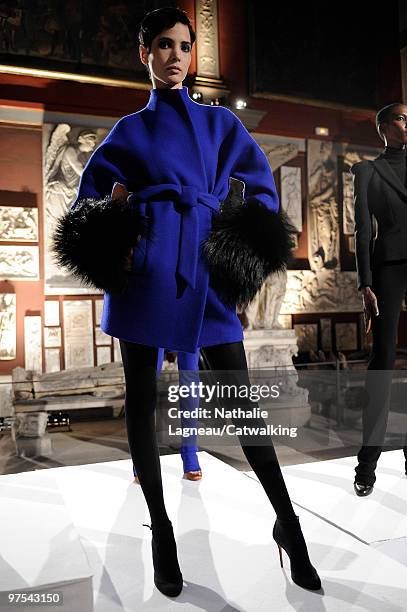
(288, 535)
(167, 573)
(405, 467)
(362, 489)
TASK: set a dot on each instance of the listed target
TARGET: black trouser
(389, 285)
(140, 363)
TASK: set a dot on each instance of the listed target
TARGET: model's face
(169, 57)
(395, 132)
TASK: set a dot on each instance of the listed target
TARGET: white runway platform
(73, 527)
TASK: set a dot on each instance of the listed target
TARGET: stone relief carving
(30, 424)
(321, 291)
(207, 49)
(19, 262)
(52, 337)
(307, 336)
(52, 360)
(33, 343)
(352, 155)
(263, 311)
(275, 355)
(323, 227)
(326, 334)
(346, 336)
(102, 339)
(278, 152)
(78, 334)
(18, 223)
(286, 321)
(117, 356)
(7, 326)
(103, 355)
(66, 150)
(291, 200)
(348, 208)
(98, 311)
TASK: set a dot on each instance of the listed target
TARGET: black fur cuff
(248, 242)
(93, 241)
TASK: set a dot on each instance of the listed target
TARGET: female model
(380, 190)
(175, 157)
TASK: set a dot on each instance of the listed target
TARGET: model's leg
(188, 369)
(230, 360)
(187, 362)
(140, 371)
(160, 359)
(389, 284)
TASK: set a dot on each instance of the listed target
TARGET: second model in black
(380, 198)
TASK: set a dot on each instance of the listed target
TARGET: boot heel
(281, 555)
(288, 536)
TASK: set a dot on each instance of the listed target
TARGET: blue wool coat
(175, 156)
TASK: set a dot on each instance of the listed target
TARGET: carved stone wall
(310, 291)
(207, 45)
(323, 227)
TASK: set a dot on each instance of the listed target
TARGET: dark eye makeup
(165, 42)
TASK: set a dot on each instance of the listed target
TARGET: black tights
(140, 369)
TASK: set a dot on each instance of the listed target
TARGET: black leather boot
(288, 535)
(362, 489)
(167, 573)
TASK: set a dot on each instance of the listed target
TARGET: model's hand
(119, 191)
(370, 307)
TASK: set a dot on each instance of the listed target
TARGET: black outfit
(381, 259)
(140, 368)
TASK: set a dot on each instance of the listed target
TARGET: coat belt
(188, 197)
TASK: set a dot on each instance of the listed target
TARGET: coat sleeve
(106, 166)
(362, 172)
(250, 165)
(251, 236)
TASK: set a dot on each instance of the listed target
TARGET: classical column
(208, 79)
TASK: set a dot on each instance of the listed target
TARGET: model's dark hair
(161, 19)
(384, 115)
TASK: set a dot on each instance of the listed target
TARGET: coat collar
(170, 96)
(387, 172)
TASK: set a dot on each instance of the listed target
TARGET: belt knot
(189, 197)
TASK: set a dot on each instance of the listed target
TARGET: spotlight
(240, 103)
(197, 96)
(218, 101)
(58, 419)
(322, 131)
